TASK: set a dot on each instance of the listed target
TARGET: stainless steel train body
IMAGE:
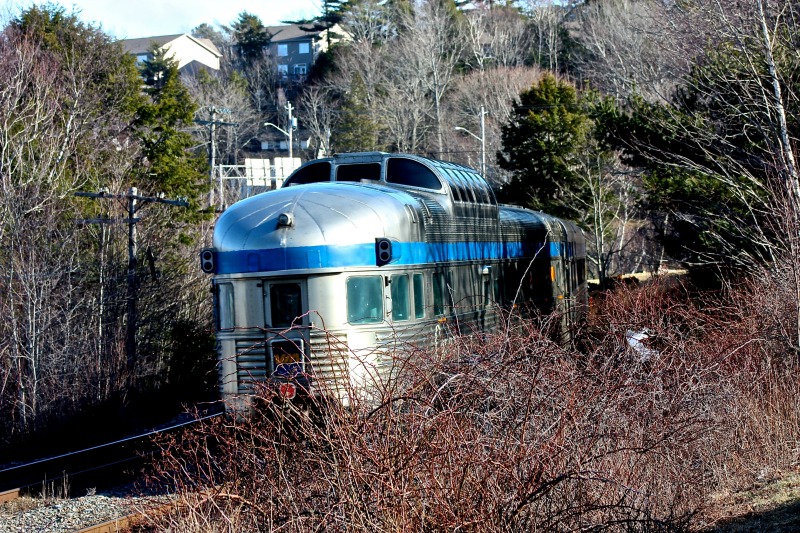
(318, 282)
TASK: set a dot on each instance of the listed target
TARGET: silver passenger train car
(316, 283)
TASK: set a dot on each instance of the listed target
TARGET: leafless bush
(511, 432)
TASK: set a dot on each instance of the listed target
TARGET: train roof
(403, 171)
(315, 215)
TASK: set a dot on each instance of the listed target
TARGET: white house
(191, 53)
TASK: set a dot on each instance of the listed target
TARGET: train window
(479, 188)
(581, 271)
(358, 172)
(412, 173)
(365, 299)
(467, 184)
(456, 190)
(313, 173)
(400, 303)
(225, 306)
(459, 195)
(438, 294)
(285, 304)
(490, 192)
(419, 296)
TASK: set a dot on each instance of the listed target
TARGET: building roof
(143, 45)
(290, 32)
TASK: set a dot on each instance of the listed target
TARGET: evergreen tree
(169, 165)
(356, 131)
(206, 31)
(332, 14)
(251, 37)
(710, 160)
(540, 144)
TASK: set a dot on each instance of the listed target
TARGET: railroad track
(92, 467)
(85, 461)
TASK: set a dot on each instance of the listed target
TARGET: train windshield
(285, 304)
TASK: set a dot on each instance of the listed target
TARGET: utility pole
(133, 198)
(212, 151)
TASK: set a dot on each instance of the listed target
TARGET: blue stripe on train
(363, 255)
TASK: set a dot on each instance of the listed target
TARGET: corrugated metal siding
(251, 363)
(328, 362)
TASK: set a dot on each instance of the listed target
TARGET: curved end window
(365, 299)
(225, 309)
(313, 173)
(419, 296)
(400, 293)
(412, 173)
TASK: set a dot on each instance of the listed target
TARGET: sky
(129, 19)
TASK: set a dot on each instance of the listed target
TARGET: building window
(283, 49)
(283, 70)
(303, 48)
(300, 69)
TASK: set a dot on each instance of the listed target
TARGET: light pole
(287, 133)
(291, 127)
(482, 139)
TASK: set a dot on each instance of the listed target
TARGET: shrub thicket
(511, 432)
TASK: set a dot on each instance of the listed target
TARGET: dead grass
(511, 432)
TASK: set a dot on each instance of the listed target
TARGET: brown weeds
(511, 432)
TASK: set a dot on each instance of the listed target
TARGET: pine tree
(540, 145)
(251, 37)
(169, 165)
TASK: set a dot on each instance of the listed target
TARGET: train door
(287, 330)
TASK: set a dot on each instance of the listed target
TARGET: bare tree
(230, 94)
(318, 115)
(498, 37)
(610, 214)
(547, 17)
(430, 49)
(369, 22)
(633, 47)
(52, 110)
(496, 90)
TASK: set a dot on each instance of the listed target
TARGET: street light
(292, 125)
(287, 133)
(482, 139)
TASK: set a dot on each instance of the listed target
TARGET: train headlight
(207, 261)
(285, 220)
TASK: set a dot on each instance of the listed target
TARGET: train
(318, 283)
